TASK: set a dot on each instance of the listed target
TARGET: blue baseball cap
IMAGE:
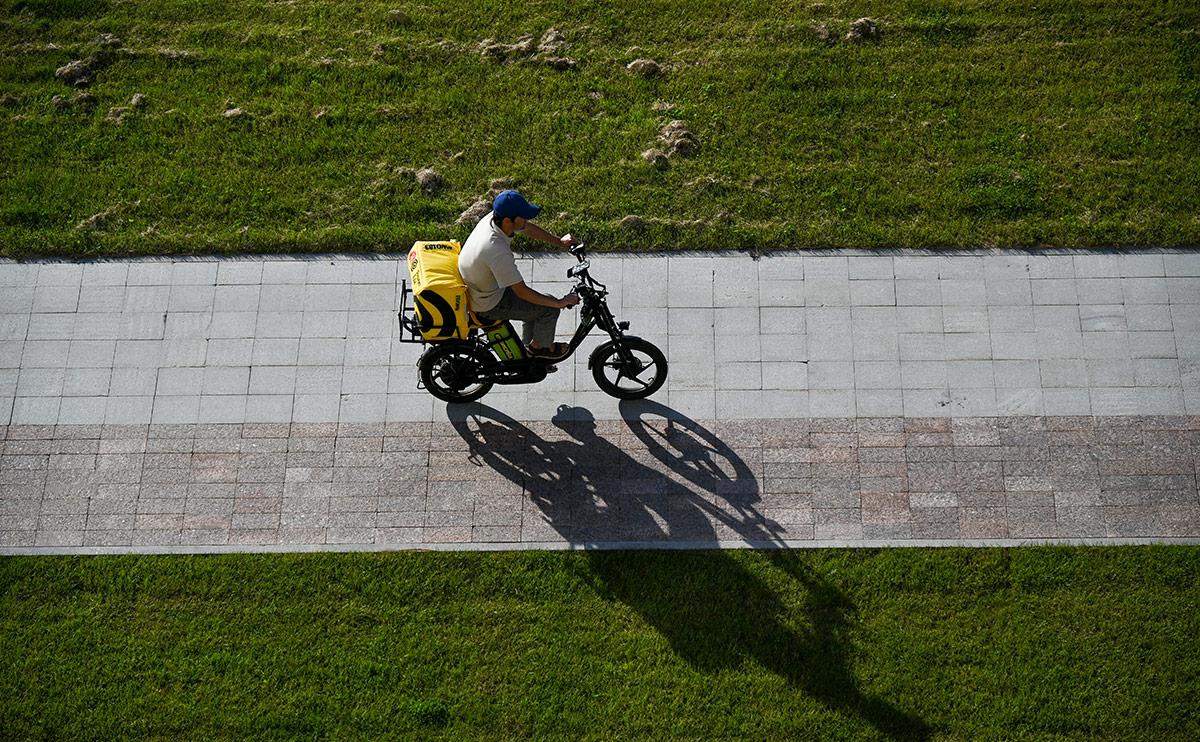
(512, 204)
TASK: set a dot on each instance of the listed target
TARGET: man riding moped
(464, 299)
(497, 290)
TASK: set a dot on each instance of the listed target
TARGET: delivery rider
(495, 286)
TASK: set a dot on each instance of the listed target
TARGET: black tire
(447, 370)
(608, 361)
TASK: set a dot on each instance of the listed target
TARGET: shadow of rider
(668, 479)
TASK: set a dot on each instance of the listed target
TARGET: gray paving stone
(146, 298)
(224, 380)
(918, 293)
(277, 324)
(91, 353)
(1183, 290)
(230, 352)
(876, 346)
(965, 318)
(128, 410)
(235, 325)
(16, 326)
(1052, 291)
(82, 410)
(368, 271)
(55, 298)
(17, 299)
(1182, 264)
(45, 353)
(275, 351)
(277, 297)
(40, 382)
(1153, 345)
(176, 409)
(35, 410)
(736, 285)
(231, 272)
(191, 298)
(101, 298)
(237, 300)
(334, 271)
(1008, 291)
(193, 272)
(98, 326)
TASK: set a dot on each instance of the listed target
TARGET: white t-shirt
(487, 264)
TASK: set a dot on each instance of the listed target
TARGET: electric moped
(463, 370)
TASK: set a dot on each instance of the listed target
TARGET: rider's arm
(536, 297)
(538, 233)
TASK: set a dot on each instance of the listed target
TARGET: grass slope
(1060, 643)
(970, 123)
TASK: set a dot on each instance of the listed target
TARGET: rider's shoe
(554, 353)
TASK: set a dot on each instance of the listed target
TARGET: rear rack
(410, 327)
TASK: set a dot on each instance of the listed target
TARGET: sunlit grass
(954, 643)
(1067, 123)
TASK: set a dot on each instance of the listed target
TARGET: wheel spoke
(632, 377)
(645, 385)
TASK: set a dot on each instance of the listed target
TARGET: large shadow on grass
(659, 476)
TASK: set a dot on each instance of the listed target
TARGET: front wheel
(630, 368)
(451, 373)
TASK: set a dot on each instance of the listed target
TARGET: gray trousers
(539, 320)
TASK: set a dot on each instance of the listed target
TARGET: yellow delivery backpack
(439, 294)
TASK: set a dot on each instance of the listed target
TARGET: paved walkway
(837, 398)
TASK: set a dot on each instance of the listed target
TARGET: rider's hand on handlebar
(568, 241)
(568, 301)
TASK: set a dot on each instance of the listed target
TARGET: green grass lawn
(1041, 643)
(970, 123)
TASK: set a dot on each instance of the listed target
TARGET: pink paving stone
(449, 534)
(159, 521)
(164, 537)
(17, 538)
(496, 534)
(301, 535)
(900, 531)
(314, 430)
(982, 522)
(1032, 522)
(204, 536)
(342, 535)
(265, 430)
(30, 432)
(934, 522)
(254, 536)
(927, 424)
(1081, 521)
(1181, 520)
(398, 535)
(118, 537)
(881, 440)
(58, 538)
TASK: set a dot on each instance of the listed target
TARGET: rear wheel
(635, 374)
(451, 373)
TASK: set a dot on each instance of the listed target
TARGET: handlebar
(579, 251)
